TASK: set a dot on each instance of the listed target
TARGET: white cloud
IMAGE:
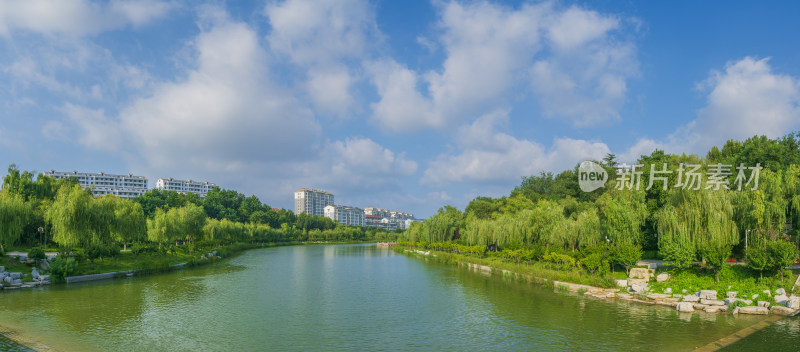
(494, 157)
(574, 66)
(362, 156)
(324, 38)
(745, 99)
(223, 114)
(97, 130)
(76, 17)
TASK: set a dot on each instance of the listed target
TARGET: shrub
(61, 268)
(36, 253)
(736, 304)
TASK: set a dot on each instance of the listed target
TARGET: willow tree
(477, 231)
(587, 227)
(700, 222)
(71, 216)
(192, 218)
(159, 228)
(622, 215)
(103, 218)
(129, 222)
(791, 181)
(546, 220)
(14, 215)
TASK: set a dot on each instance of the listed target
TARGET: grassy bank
(534, 269)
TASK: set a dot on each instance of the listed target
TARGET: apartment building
(345, 215)
(185, 186)
(124, 186)
(311, 201)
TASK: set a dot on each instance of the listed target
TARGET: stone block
(662, 277)
(731, 294)
(712, 302)
(764, 304)
(793, 302)
(684, 307)
(640, 273)
(780, 292)
(622, 283)
(779, 310)
(691, 298)
(699, 306)
(637, 282)
(781, 299)
(753, 310)
(668, 290)
(708, 294)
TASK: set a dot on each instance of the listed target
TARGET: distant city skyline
(411, 105)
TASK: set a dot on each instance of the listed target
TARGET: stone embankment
(12, 281)
(18, 280)
(636, 289)
(386, 244)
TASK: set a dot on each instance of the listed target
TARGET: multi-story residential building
(185, 186)
(345, 215)
(124, 186)
(311, 201)
(386, 219)
(385, 213)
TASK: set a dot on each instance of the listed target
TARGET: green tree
(71, 217)
(129, 223)
(14, 215)
(782, 253)
(758, 255)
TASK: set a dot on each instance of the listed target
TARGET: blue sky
(408, 105)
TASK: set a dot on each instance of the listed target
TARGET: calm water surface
(345, 297)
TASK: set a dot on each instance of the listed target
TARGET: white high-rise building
(124, 186)
(185, 186)
(311, 201)
(345, 215)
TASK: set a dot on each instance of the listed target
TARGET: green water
(341, 297)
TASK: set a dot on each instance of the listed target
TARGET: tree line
(70, 217)
(613, 225)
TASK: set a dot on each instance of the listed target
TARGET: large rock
(779, 310)
(780, 292)
(712, 302)
(764, 304)
(781, 299)
(729, 301)
(685, 307)
(8, 280)
(715, 309)
(755, 297)
(708, 294)
(639, 288)
(691, 298)
(35, 273)
(767, 292)
(731, 294)
(637, 282)
(753, 310)
(699, 306)
(640, 273)
(668, 290)
(622, 283)
(662, 277)
(16, 275)
(793, 302)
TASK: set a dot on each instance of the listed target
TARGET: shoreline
(581, 289)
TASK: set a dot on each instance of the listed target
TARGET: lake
(348, 297)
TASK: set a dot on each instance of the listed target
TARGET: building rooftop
(313, 190)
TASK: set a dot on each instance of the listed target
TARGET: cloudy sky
(407, 104)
